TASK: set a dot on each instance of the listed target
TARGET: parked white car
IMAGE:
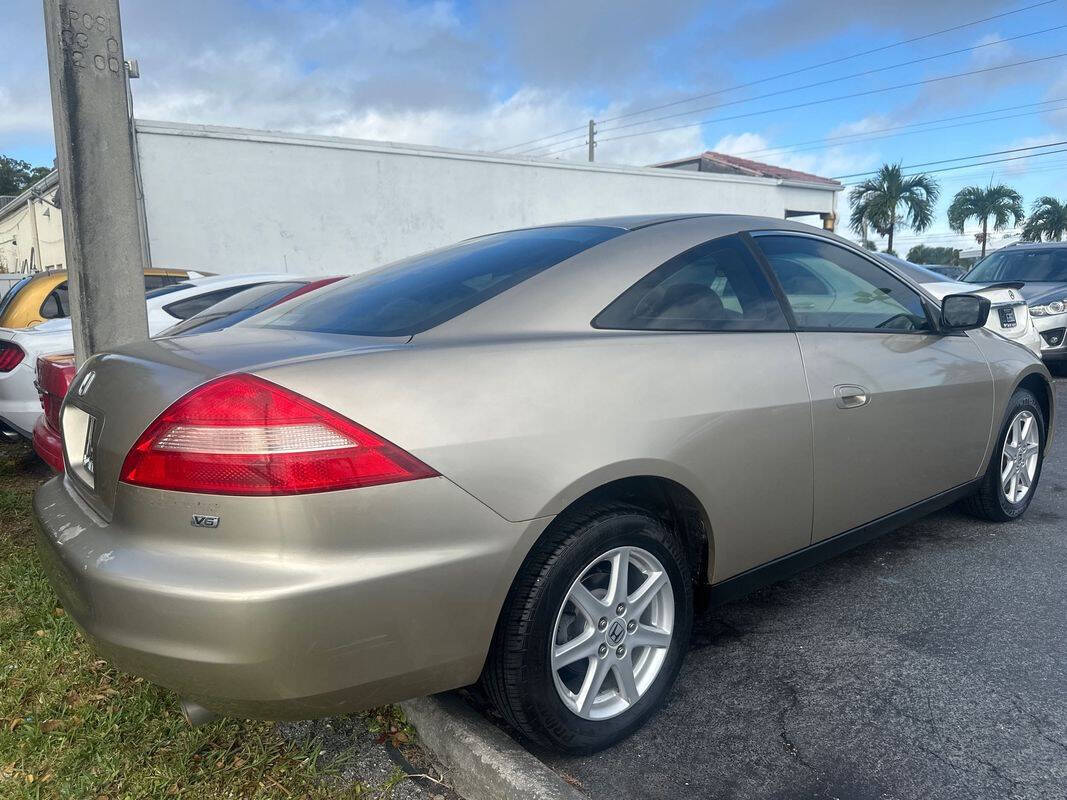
(19, 347)
(1009, 315)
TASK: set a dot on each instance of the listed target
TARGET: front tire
(1015, 466)
(594, 630)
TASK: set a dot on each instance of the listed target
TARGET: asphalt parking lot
(931, 663)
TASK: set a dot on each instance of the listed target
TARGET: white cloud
(741, 144)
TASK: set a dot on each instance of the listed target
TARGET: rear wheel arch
(668, 500)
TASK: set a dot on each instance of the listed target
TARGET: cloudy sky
(489, 74)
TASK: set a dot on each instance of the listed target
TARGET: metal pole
(31, 207)
(133, 70)
(101, 233)
(592, 139)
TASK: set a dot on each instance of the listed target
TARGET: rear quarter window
(422, 292)
(56, 305)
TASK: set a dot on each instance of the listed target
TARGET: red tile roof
(721, 162)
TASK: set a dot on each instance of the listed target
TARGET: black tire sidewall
(1021, 400)
(567, 730)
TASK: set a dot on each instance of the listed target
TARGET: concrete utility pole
(101, 231)
(592, 139)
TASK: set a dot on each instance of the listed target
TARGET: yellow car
(44, 295)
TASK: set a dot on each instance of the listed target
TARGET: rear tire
(568, 623)
(999, 499)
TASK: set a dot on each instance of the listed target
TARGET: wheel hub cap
(612, 633)
(1019, 457)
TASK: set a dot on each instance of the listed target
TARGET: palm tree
(875, 202)
(1000, 202)
(1048, 218)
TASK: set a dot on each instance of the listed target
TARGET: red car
(54, 374)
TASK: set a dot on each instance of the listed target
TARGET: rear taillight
(54, 376)
(11, 356)
(242, 435)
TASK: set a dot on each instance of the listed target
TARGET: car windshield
(1037, 264)
(416, 294)
(14, 290)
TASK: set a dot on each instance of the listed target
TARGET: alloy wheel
(612, 633)
(1018, 461)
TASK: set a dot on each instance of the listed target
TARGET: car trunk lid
(117, 395)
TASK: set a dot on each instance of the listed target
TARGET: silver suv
(1041, 268)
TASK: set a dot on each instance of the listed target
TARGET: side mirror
(964, 312)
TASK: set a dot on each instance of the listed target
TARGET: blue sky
(486, 75)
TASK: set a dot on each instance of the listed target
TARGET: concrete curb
(485, 763)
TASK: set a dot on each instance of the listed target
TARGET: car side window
(56, 305)
(715, 286)
(154, 282)
(183, 309)
(831, 288)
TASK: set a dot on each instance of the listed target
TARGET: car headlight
(1049, 309)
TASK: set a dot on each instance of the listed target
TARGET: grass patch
(71, 726)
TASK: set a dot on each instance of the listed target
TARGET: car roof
(247, 277)
(718, 224)
(631, 222)
(566, 298)
(1032, 246)
(60, 275)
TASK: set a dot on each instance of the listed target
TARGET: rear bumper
(1053, 336)
(261, 618)
(48, 443)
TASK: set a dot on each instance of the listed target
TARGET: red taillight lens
(54, 376)
(11, 356)
(243, 435)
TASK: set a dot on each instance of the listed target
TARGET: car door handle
(849, 395)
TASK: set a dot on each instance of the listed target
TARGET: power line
(837, 80)
(540, 138)
(959, 158)
(979, 163)
(947, 235)
(866, 136)
(961, 178)
(830, 62)
(780, 75)
(814, 85)
(823, 101)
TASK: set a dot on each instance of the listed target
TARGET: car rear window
(190, 306)
(419, 293)
(171, 289)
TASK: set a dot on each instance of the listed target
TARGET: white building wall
(230, 200)
(20, 249)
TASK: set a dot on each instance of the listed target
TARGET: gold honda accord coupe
(517, 460)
